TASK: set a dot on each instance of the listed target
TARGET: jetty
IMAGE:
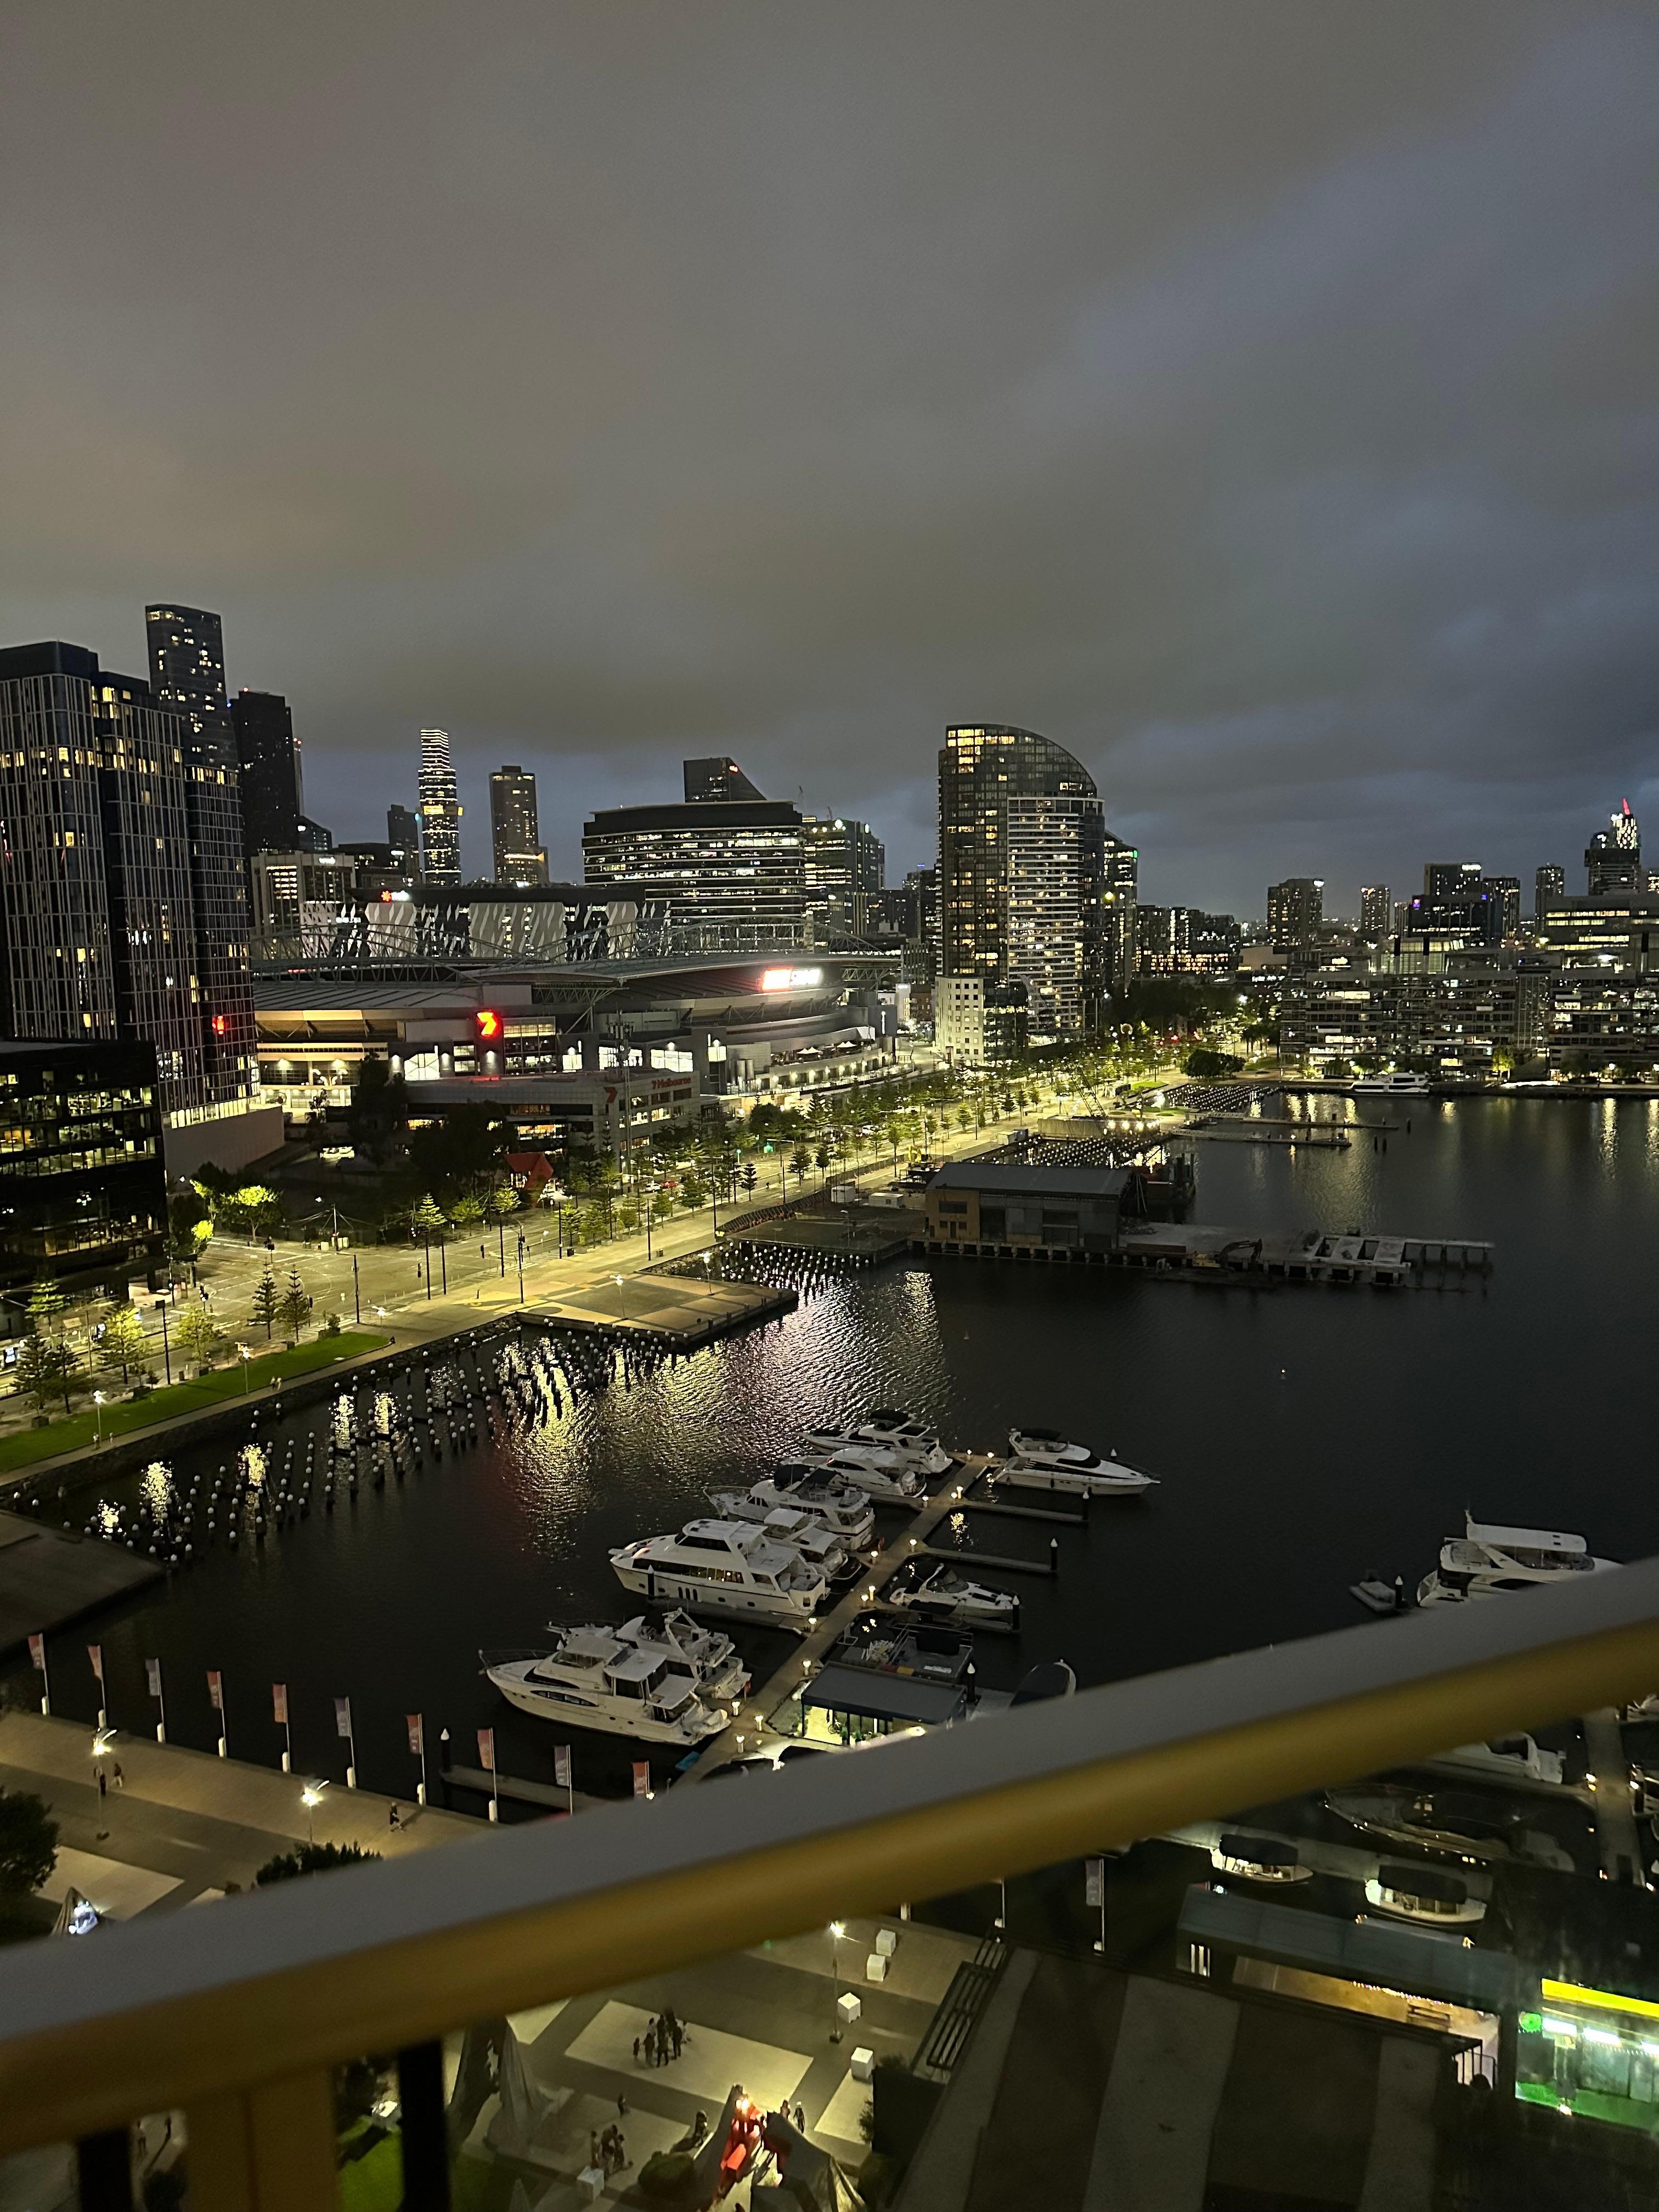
(682, 1312)
(50, 1577)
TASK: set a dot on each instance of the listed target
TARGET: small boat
(1049, 1678)
(1259, 1858)
(919, 1450)
(837, 1505)
(1489, 1560)
(863, 1466)
(1464, 1824)
(666, 1684)
(1381, 1596)
(1425, 1895)
(1042, 1459)
(934, 1589)
(724, 1566)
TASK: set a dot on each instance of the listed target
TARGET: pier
(1187, 1252)
(681, 1312)
(1273, 1129)
(50, 1577)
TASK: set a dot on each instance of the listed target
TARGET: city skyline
(1276, 444)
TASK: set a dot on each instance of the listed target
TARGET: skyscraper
(1613, 859)
(716, 777)
(844, 862)
(1119, 896)
(980, 768)
(403, 832)
(1056, 912)
(440, 810)
(1375, 911)
(1296, 913)
(521, 857)
(733, 871)
(268, 756)
(187, 678)
(1549, 884)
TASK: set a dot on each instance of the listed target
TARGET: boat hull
(1074, 1481)
(663, 1586)
(544, 1706)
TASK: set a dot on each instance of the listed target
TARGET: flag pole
(38, 1652)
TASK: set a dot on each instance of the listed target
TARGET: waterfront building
(717, 777)
(1549, 884)
(273, 780)
(97, 910)
(186, 654)
(1056, 913)
(514, 834)
(1179, 940)
(1119, 893)
(732, 871)
(991, 1206)
(1431, 1003)
(1613, 859)
(843, 862)
(403, 833)
(1375, 911)
(982, 767)
(83, 1191)
(440, 810)
(1296, 913)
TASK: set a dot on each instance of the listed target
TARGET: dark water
(1303, 1435)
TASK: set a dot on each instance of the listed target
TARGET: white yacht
(1258, 1858)
(934, 1588)
(724, 1566)
(909, 1445)
(1489, 1560)
(1425, 1895)
(1042, 1459)
(872, 1471)
(671, 1684)
(1514, 1758)
(836, 1504)
(1399, 1084)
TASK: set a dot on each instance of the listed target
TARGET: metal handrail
(199, 2007)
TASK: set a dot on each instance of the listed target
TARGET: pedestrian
(637, 2051)
(594, 2147)
(394, 1818)
(678, 2034)
(800, 2118)
(621, 2106)
(662, 2043)
(103, 1785)
(117, 1777)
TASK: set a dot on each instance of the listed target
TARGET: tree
(799, 1161)
(48, 1367)
(28, 1842)
(123, 1344)
(467, 1212)
(293, 1306)
(462, 1151)
(199, 1336)
(48, 1307)
(377, 1119)
(190, 1224)
(310, 1858)
(267, 1302)
(751, 1176)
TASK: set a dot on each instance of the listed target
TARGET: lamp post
(98, 1416)
(837, 1929)
(356, 1289)
(311, 1797)
(167, 1355)
(244, 1355)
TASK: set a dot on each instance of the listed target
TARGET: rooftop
(1031, 1182)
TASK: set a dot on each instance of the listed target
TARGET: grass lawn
(74, 1432)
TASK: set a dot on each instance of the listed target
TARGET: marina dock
(681, 1312)
(50, 1577)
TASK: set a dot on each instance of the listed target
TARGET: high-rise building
(268, 756)
(403, 834)
(1460, 903)
(519, 856)
(1056, 912)
(981, 766)
(440, 810)
(97, 909)
(844, 862)
(186, 656)
(1548, 884)
(1119, 896)
(1613, 859)
(1296, 913)
(1503, 893)
(717, 777)
(1184, 940)
(1375, 911)
(734, 871)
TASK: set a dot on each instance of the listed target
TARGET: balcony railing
(236, 2012)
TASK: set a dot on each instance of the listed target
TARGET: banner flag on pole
(342, 1717)
(1094, 1875)
(215, 1691)
(487, 1750)
(561, 1764)
(96, 1653)
(279, 1703)
(642, 1777)
(153, 1668)
(416, 1735)
(38, 1652)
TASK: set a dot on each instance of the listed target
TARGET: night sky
(1258, 398)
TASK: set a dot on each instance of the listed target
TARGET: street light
(837, 1929)
(98, 1416)
(311, 1797)
(244, 1355)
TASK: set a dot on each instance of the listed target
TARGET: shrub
(310, 1858)
(667, 2174)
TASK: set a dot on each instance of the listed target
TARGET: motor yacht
(1042, 1459)
(1425, 1895)
(1489, 1560)
(837, 1505)
(1399, 1084)
(819, 1546)
(1469, 1825)
(667, 1684)
(1259, 1858)
(934, 1589)
(906, 1445)
(1514, 1759)
(869, 1469)
(883, 1426)
(724, 1566)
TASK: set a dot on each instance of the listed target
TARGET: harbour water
(1303, 1435)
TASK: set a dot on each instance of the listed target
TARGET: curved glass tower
(982, 766)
